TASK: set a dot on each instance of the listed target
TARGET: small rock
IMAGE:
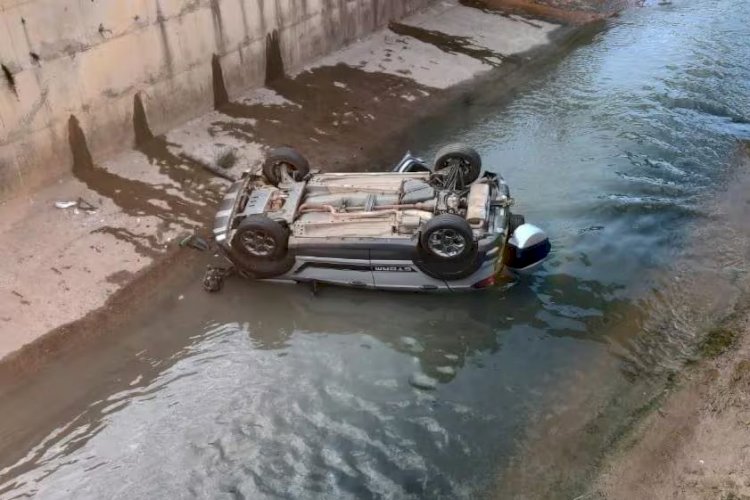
(65, 204)
(446, 370)
(412, 344)
(422, 381)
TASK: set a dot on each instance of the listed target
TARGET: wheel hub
(447, 243)
(285, 171)
(258, 243)
(458, 163)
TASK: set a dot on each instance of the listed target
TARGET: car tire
(261, 268)
(288, 158)
(260, 238)
(514, 222)
(446, 271)
(460, 156)
(448, 238)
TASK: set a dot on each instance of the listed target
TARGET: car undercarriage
(416, 228)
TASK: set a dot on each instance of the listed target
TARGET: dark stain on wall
(218, 26)
(274, 60)
(221, 96)
(245, 27)
(9, 79)
(166, 49)
(143, 134)
(34, 55)
(262, 14)
(78, 146)
(375, 13)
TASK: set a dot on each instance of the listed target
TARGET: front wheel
(262, 268)
(259, 237)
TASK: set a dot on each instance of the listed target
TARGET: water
(626, 152)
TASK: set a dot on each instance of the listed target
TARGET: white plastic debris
(80, 203)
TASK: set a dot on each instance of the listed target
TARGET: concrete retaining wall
(90, 57)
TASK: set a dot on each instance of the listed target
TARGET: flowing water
(626, 152)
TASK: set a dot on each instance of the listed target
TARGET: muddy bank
(694, 445)
(694, 442)
(566, 11)
(140, 289)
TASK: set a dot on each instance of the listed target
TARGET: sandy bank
(695, 443)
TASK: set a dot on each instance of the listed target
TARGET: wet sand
(696, 444)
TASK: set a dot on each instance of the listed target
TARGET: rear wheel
(261, 268)
(447, 249)
(448, 237)
(463, 160)
(447, 271)
(282, 160)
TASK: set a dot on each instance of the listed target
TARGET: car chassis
(416, 228)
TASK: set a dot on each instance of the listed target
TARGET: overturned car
(445, 227)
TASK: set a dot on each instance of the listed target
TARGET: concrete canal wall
(89, 58)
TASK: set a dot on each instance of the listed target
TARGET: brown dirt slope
(697, 446)
(567, 11)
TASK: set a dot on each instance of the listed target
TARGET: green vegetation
(717, 341)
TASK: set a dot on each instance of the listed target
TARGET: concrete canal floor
(344, 112)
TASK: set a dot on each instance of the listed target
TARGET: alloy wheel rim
(446, 243)
(258, 243)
